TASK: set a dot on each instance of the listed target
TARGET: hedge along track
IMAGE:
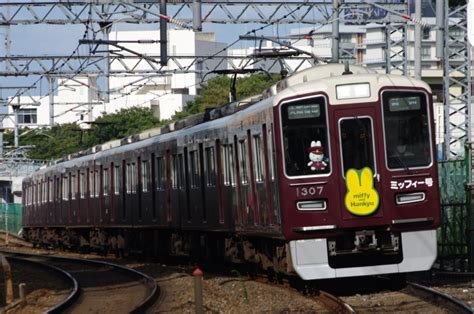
(101, 285)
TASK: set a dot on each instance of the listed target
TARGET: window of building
(425, 52)
(27, 116)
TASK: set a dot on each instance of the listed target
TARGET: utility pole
(197, 15)
(335, 31)
(106, 28)
(417, 54)
(15, 112)
(163, 35)
(51, 101)
(440, 28)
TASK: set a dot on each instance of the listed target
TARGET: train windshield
(407, 131)
(305, 137)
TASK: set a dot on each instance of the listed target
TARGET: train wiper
(401, 163)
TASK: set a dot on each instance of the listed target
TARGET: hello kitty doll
(316, 155)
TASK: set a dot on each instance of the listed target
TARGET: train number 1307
(309, 191)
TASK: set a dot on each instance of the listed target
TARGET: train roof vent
(111, 144)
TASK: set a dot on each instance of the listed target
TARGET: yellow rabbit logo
(361, 198)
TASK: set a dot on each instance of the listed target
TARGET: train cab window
(106, 179)
(194, 169)
(160, 173)
(243, 161)
(145, 175)
(258, 158)
(82, 185)
(116, 180)
(357, 146)
(303, 122)
(210, 167)
(73, 186)
(407, 130)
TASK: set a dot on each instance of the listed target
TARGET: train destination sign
(404, 103)
(303, 111)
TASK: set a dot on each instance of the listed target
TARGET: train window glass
(357, 143)
(145, 175)
(160, 173)
(106, 179)
(257, 158)
(58, 189)
(304, 121)
(91, 184)
(225, 162)
(407, 131)
(233, 181)
(243, 161)
(174, 172)
(117, 180)
(50, 189)
(210, 167)
(82, 185)
(97, 184)
(194, 168)
(128, 183)
(270, 153)
(65, 188)
(134, 177)
(73, 187)
(180, 172)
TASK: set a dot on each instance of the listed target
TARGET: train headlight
(312, 205)
(349, 91)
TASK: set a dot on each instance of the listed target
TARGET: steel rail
(140, 308)
(334, 303)
(72, 297)
(454, 303)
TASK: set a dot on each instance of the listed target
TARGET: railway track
(96, 286)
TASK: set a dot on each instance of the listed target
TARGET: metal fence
(10, 217)
(453, 241)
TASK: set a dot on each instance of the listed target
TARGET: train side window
(73, 186)
(106, 179)
(243, 161)
(91, 183)
(128, 182)
(160, 173)
(145, 175)
(356, 138)
(271, 153)
(210, 167)
(82, 185)
(304, 121)
(225, 162)
(116, 180)
(174, 172)
(180, 172)
(258, 158)
(194, 168)
(65, 186)
(58, 190)
(51, 190)
(97, 184)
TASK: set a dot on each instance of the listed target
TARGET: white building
(77, 100)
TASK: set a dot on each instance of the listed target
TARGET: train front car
(358, 176)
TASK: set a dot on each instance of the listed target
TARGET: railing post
(198, 290)
(8, 280)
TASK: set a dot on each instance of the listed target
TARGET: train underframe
(269, 254)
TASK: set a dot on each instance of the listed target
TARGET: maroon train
(331, 173)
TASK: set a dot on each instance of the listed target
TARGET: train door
(359, 165)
